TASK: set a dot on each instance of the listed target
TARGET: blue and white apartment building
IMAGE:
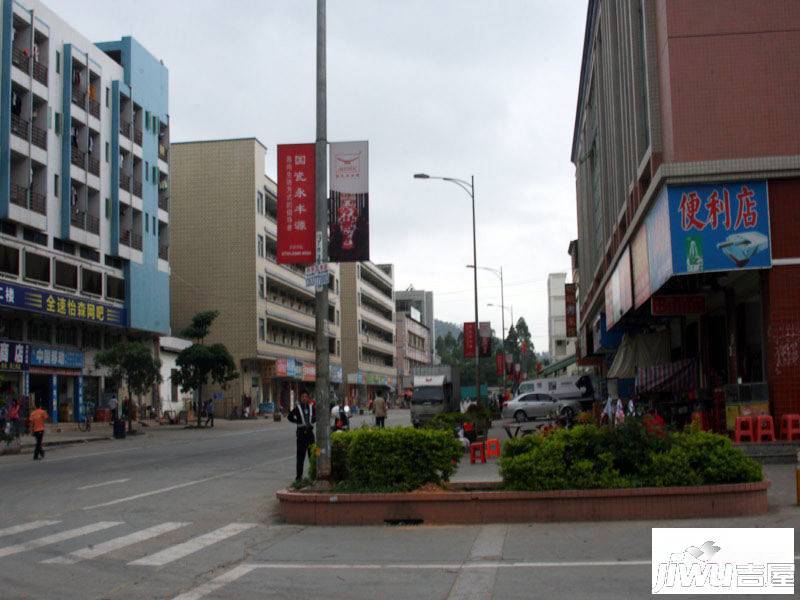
(84, 206)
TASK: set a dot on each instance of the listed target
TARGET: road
(191, 514)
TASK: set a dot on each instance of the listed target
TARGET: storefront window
(39, 332)
(11, 329)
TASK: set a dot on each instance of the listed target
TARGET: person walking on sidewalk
(38, 417)
(379, 407)
(304, 416)
(13, 417)
(210, 412)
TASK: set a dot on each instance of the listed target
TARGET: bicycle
(86, 423)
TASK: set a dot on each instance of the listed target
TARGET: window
(37, 267)
(260, 202)
(338, 347)
(66, 335)
(9, 260)
(115, 288)
(146, 171)
(108, 152)
(66, 275)
(155, 174)
(11, 329)
(92, 282)
(90, 254)
(108, 208)
(58, 62)
(146, 223)
(58, 123)
(91, 338)
(108, 97)
(113, 261)
(154, 224)
(261, 245)
(261, 286)
(55, 185)
(147, 120)
(261, 329)
(36, 237)
(38, 331)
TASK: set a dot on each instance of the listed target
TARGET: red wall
(730, 75)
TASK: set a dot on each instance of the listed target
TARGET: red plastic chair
(476, 449)
(765, 428)
(744, 429)
(493, 448)
(790, 427)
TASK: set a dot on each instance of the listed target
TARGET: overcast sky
(448, 87)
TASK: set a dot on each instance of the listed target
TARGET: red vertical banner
(571, 310)
(499, 361)
(297, 208)
(470, 339)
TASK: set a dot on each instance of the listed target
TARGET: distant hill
(442, 327)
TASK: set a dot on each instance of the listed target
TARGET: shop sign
(571, 310)
(335, 373)
(659, 243)
(14, 356)
(640, 268)
(288, 367)
(57, 358)
(618, 292)
(720, 227)
(296, 204)
(348, 210)
(355, 378)
(61, 305)
(308, 371)
(678, 304)
(317, 274)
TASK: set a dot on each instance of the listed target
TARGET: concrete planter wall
(467, 507)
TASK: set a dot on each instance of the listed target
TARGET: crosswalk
(128, 539)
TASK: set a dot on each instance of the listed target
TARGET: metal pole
(475, 272)
(503, 327)
(321, 297)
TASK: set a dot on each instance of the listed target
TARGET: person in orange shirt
(38, 417)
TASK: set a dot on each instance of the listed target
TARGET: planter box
(475, 506)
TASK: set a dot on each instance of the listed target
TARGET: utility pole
(503, 327)
(475, 273)
(321, 297)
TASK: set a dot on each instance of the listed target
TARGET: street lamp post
(468, 187)
(503, 310)
(502, 314)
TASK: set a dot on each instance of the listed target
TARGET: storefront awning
(639, 351)
(676, 377)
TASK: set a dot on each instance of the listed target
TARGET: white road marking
(217, 582)
(110, 546)
(97, 485)
(174, 553)
(26, 527)
(57, 537)
(472, 584)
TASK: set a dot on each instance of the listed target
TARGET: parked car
(529, 407)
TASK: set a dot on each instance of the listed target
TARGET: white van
(558, 387)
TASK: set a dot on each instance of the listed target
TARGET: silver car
(529, 407)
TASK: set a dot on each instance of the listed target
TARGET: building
(687, 155)
(84, 219)
(173, 400)
(368, 330)
(413, 344)
(224, 258)
(559, 345)
(423, 302)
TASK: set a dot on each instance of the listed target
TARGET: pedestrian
(38, 417)
(379, 407)
(210, 412)
(304, 416)
(13, 417)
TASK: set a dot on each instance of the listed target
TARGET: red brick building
(687, 154)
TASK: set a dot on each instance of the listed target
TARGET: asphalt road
(191, 514)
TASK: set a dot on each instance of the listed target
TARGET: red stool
(475, 449)
(493, 448)
(765, 428)
(790, 427)
(744, 429)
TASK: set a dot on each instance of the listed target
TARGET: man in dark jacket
(304, 416)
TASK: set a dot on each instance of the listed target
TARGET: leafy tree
(133, 363)
(200, 363)
(528, 358)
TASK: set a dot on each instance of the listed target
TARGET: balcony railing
(79, 98)
(78, 157)
(38, 203)
(162, 152)
(163, 252)
(163, 202)
(40, 72)
(94, 108)
(19, 195)
(125, 237)
(94, 165)
(137, 136)
(137, 188)
(125, 182)
(20, 58)
(39, 137)
(136, 241)
(125, 129)
(92, 224)
(19, 126)
(78, 219)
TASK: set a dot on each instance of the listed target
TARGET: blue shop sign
(719, 227)
(44, 356)
(60, 305)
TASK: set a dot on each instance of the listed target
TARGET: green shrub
(521, 445)
(716, 459)
(670, 468)
(445, 422)
(396, 459)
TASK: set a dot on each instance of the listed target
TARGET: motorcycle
(341, 418)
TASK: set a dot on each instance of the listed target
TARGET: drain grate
(400, 522)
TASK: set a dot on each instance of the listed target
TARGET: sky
(448, 87)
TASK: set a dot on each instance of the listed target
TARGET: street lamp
(502, 314)
(468, 187)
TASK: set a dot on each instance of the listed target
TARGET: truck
(436, 389)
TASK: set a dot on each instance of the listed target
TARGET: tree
(133, 363)
(200, 363)
(528, 357)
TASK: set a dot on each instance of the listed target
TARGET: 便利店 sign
(297, 207)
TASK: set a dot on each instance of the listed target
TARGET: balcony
(40, 72)
(125, 129)
(38, 203)
(377, 292)
(19, 195)
(78, 219)
(163, 202)
(125, 182)
(137, 188)
(94, 165)
(125, 237)
(79, 98)
(136, 241)
(92, 224)
(20, 58)
(163, 252)
(19, 126)
(377, 316)
(78, 157)
(162, 152)
(94, 108)
(39, 137)
(137, 137)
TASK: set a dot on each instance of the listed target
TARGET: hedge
(398, 459)
(590, 457)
